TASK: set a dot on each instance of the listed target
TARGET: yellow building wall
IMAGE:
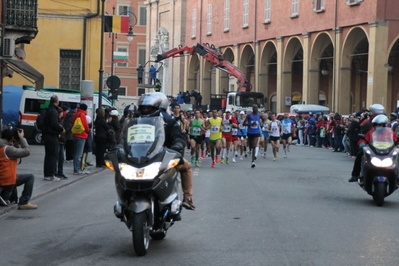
(61, 27)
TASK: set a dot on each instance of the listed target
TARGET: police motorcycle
(147, 181)
(380, 165)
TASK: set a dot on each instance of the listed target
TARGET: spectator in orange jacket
(79, 133)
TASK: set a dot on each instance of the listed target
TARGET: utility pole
(101, 70)
(3, 32)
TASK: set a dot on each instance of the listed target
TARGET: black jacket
(52, 125)
(101, 128)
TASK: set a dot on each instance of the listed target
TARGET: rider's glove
(362, 145)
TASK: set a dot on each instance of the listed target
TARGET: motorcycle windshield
(145, 137)
(382, 139)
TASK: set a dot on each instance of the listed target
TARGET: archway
(268, 73)
(353, 73)
(224, 77)
(207, 82)
(193, 79)
(321, 71)
(393, 76)
(247, 64)
(292, 73)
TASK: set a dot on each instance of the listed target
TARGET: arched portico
(320, 71)
(224, 77)
(392, 66)
(292, 74)
(268, 73)
(193, 80)
(247, 64)
(353, 72)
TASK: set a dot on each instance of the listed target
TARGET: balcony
(20, 19)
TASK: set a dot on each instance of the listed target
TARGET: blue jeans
(22, 179)
(78, 146)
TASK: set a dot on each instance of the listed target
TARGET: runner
(265, 125)
(196, 138)
(286, 134)
(253, 132)
(229, 122)
(235, 136)
(215, 139)
(275, 128)
(242, 134)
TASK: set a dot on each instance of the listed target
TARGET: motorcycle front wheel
(379, 193)
(140, 233)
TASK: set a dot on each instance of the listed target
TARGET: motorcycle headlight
(146, 173)
(387, 162)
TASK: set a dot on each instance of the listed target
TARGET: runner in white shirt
(275, 128)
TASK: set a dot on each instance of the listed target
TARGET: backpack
(40, 119)
(78, 127)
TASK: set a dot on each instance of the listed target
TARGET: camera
(15, 133)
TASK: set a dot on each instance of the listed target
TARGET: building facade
(127, 55)
(166, 29)
(343, 54)
(66, 49)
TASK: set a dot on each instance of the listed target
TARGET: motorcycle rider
(376, 119)
(154, 104)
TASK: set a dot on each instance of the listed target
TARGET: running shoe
(234, 160)
(217, 159)
(188, 204)
(253, 165)
(213, 165)
(197, 164)
(241, 158)
(274, 158)
(228, 160)
(192, 159)
(203, 155)
(222, 160)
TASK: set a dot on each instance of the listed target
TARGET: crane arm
(212, 55)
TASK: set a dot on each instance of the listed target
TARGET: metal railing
(21, 13)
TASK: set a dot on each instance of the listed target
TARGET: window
(140, 91)
(121, 91)
(194, 24)
(295, 4)
(267, 11)
(121, 56)
(353, 2)
(209, 20)
(143, 16)
(246, 10)
(70, 61)
(142, 56)
(126, 11)
(226, 14)
(318, 5)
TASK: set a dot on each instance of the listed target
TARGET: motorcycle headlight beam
(387, 162)
(146, 173)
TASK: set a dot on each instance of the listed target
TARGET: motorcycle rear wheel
(379, 193)
(140, 233)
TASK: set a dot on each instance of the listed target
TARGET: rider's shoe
(353, 179)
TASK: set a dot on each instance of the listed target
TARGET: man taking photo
(13, 146)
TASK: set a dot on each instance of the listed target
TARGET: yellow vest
(216, 128)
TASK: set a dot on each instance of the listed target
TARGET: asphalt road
(295, 211)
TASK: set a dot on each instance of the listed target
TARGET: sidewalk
(34, 164)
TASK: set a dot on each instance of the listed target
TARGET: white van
(33, 101)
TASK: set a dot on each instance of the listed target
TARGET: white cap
(113, 113)
(228, 111)
(242, 113)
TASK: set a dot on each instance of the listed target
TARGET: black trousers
(357, 167)
(51, 154)
(100, 151)
(69, 150)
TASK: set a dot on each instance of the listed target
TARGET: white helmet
(376, 109)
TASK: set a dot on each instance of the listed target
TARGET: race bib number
(274, 128)
(196, 131)
(254, 124)
(141, 133)
(265, 125)
(227, 128)
(235, 131)
(215, 129)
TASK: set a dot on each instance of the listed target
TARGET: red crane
(211, 54)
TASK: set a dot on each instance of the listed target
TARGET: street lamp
(130, 34)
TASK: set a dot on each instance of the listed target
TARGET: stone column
(238, 60)
(309, 95)
(341, 83)
(377, 80)
(255, 86)
(280, 63)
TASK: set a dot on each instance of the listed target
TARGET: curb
(4, 210)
